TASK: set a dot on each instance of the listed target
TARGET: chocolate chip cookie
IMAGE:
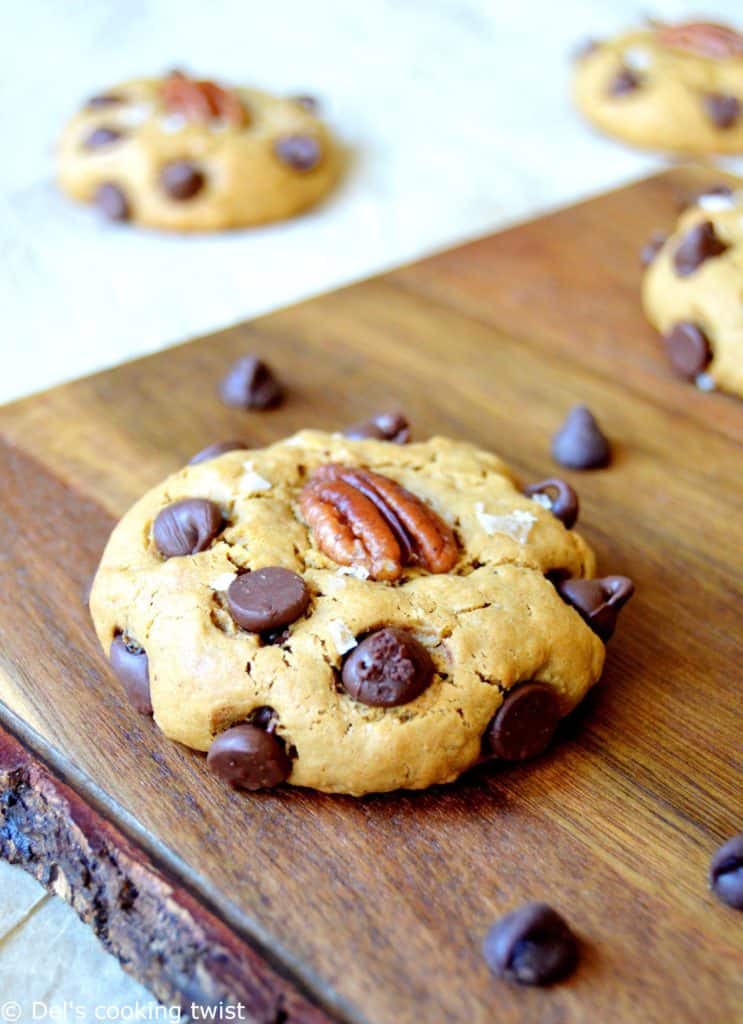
(676, 88)
(354, 615)
(191, 155)
(692, 293)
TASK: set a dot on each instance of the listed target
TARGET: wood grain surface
(378, 906)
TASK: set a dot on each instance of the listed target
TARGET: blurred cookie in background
(191, 155)
(676, 88)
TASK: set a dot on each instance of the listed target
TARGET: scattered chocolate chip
(561, 499)
(300, 152)
(652, 247)
(688, 349)
(580, 442)
(723, 110)
(585, 49)
(624, 81)
(112, 202)
(531, 946)
(388, 668)
(129, 664)
(102, 137)
(267, 599)
(107, 99)
(213, 450)
(248, 757)
(726, 872)
(599, 601)
(182, 179)
(524, 724)
(700, 243)
(383, 426)
(251, 384)
(309, 103)
(186, 527)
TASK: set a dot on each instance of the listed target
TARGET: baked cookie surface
(692, 293)
(372, 606)
(188, 155)
(675, 88)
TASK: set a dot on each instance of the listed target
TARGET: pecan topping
(362, 518)
(201, 100)
(703, 38)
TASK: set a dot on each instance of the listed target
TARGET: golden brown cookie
(354, 615)
(190, 155)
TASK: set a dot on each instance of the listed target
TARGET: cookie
(190, 155)
(691, 293)
(354, 616)
(676, 88)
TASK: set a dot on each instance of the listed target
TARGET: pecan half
(703, 38)
(201, 100)
(362, 518)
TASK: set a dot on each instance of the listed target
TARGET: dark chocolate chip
(652, 247)
(388, 668)
(531, 946)
(248, 757)
(726, 872)
(264, 718)
(688, 349)
(599, 602)
(186, 527)
(580, 442)
(213, 450)
(700, 243)
(524, 724)
(309, 103)
(300, 152)
(102, 137)
(251, 384)
(624, 81)
(563, 501)
(129, 664)
(267, 599)
(383, 426)
(112, 202)
(182, 179)
(107, 99)
(723, 110)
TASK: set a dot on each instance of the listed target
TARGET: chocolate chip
(723, 110)
(383, 426)
(102, 137)
(112, 202)
(388, 668)
(688, 349)
(580, 442)
(186, 527)
(700, 243)
(267, 599)
(524, 724)
(300, 152)
(531, 946)
(248, 757)
(129, 664)
(107, 99)
(624, 82)
(213, 450)
(560, 499)
(652, 247)
(598, 601)
(251, 384)
(726, 872)
(264, 718)
(182, 179)
(309, 103)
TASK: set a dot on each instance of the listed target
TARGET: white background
(458, 115)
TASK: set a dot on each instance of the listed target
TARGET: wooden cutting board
(316, 908)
